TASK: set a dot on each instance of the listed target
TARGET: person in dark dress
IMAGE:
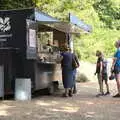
(67, 72)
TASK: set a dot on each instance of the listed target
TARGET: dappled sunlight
(41, 103)
(86, 102)
(3, 110)
(69, 104)
(3, 113)
(70, 109)
(89, 114)
(83, 105)
(7, 101)
(54, 102)
(89, 103)
(41, 116)
(48, 103)
(28, 113)
(66, 109)
(90, 85)
(5, 107)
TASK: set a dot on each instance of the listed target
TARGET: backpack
(104, 63)
(74, 62)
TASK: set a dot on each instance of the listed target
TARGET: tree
(109, 13)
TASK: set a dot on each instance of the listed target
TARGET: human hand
(95, 73)
(112, 68)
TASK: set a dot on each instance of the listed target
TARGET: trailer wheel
(50, 89)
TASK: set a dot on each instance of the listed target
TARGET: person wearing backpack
(101, 71)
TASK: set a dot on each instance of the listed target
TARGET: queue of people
(102, 74)
(101, 71)
(69, 71)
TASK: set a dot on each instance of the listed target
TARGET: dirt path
(82, 106)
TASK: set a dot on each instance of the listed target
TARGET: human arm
(99, 66)
(59, 58)
(116, 55)
(113, 63)
(77, 60)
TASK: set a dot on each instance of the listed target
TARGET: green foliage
(101, 39)
(109, 12)
(105, 21)
(15, 4)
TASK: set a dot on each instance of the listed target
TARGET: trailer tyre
(51, 89)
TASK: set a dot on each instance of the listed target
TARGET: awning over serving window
(44, 18)
(65, 27)
(74, 25)
(79, 23)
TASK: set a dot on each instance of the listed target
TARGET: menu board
(31, 46)
(32, 38)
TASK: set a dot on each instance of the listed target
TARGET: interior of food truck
(49, 43)
(45, 48)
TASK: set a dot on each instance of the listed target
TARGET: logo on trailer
(5, 24)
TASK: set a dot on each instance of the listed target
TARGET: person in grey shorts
(101, 71)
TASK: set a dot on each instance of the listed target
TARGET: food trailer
(30, 42)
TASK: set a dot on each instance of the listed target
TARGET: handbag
(74, 63)
(112, 76)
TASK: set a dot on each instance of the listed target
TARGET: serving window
(47, 48)
(44, 40)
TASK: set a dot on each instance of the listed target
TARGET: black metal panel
(7, 59)
(13, 45)
(15, 36)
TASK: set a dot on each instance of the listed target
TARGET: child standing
(101, 71)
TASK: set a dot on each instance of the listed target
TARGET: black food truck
(30, 42)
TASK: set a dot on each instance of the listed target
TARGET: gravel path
(82, 106)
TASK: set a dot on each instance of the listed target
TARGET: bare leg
(118, 82)
(71, 92)
(66, 92)
(100, 83)
(107, 86)
(118, 85)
